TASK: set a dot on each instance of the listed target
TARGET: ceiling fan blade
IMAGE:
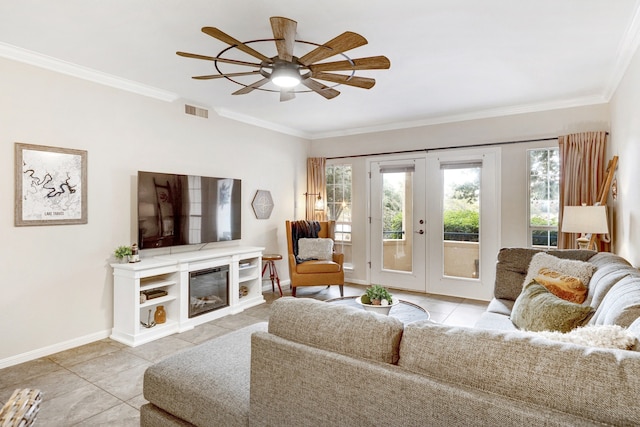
(212, 58)
(286, 95)
(318, 87)
(284, 31)
(251, 87)
(370, 63)
(216, 33)
(219, 76)
(363, 82)
(344, 42)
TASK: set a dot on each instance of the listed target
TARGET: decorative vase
(160, 316)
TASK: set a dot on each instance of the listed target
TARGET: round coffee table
(407, 312)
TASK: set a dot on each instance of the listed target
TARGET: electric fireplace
(208, 290)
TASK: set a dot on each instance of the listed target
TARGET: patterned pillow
(578, 269)
(563, 286)
(537, 309)
(321, 249)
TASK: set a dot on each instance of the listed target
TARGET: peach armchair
(315, 272)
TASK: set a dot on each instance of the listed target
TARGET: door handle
(420, 231)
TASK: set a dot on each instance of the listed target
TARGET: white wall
(625, 138)
(514, 177)
(56, 280)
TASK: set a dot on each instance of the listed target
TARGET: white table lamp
(585, 220)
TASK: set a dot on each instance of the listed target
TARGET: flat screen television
(176, 210)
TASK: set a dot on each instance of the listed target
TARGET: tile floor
(101, 383)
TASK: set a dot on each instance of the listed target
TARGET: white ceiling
(450, 59)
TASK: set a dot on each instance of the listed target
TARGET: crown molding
(229, 114)
(626, 50)
(476, 115)
(53, 64)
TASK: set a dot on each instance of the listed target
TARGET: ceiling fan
(287, 71)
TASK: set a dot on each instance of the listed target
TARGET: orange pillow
(563, 286)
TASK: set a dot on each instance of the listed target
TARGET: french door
(398, 229)
(434, 222)
(464, 226)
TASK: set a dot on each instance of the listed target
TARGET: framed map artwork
(51, 185)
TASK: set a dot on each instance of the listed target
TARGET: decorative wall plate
(262, 204)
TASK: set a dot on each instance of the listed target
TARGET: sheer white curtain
(582, 174)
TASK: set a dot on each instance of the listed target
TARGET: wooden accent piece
(219, 76)
(318, 87)
(251, 87)
(223, 37)
(344, 42)
(284, 31)
(604, 191)
(286, 95)
(369, 63)
(215, 58)
(362, 82)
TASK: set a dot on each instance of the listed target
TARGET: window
(544, 200)
(339, 205)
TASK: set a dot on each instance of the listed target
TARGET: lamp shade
(585, 219)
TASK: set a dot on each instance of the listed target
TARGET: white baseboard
(52, 349)
(266, 284)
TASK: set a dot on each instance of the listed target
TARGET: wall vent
(196, 111)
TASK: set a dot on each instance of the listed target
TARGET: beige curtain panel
(316, 185)
(582, 173)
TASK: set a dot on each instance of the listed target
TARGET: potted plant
(378, 299)
(122, 253)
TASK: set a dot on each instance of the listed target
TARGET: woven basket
(21, 409)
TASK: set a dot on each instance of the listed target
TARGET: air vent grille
(196, 111)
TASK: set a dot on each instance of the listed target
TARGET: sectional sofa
(331, 365)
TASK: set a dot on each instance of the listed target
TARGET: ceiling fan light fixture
(285, 75)
(286, 71)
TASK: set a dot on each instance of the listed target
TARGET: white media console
(171, 273)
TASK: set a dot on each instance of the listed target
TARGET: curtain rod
(426, 150)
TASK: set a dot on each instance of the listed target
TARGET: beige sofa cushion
(603, 280)
(621, 305)
(346, 330)
(204, 385)
(513, 264)
(597, 384)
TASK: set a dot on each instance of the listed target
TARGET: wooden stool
(273, 273)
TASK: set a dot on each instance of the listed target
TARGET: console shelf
(170, 273)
